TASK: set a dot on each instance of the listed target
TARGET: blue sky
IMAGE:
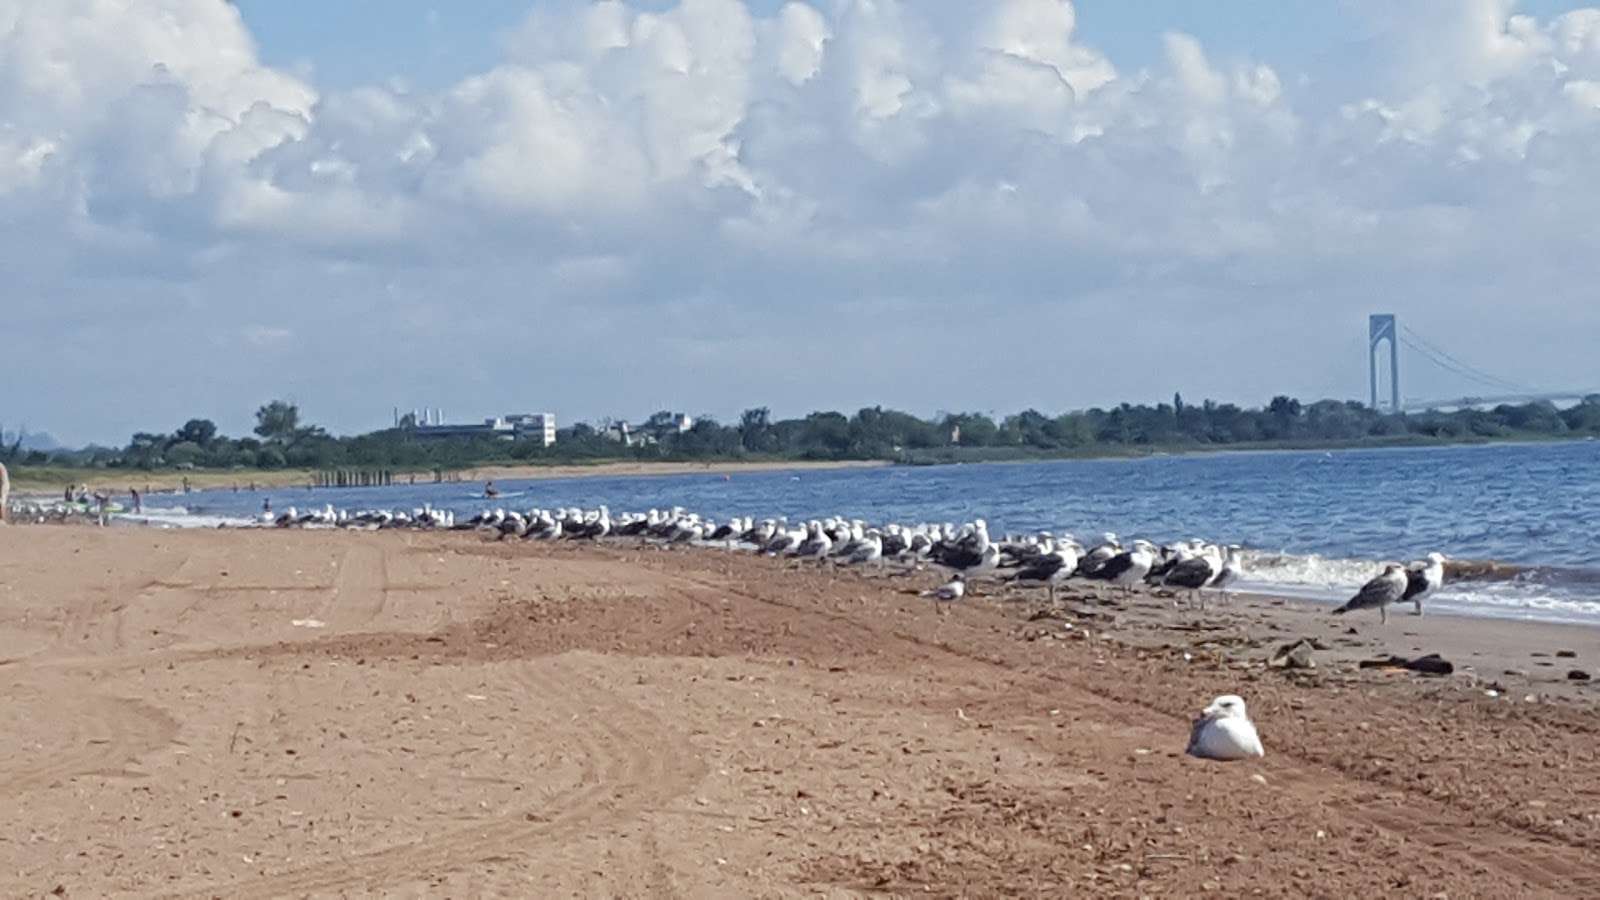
(711, 206)
(431, 44)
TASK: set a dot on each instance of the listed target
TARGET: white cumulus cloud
(822, 205)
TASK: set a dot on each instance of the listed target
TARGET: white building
(539, 427)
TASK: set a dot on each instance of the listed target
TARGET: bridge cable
(1480, 380)
(1459, 367)
(1447, 361)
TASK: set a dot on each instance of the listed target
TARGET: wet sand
(320, 713)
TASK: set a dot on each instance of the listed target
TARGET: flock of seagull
(964, 552)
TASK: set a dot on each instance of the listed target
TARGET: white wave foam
(178, 517)
(1335, 575)
(1336, 580)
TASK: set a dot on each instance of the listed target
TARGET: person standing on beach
(138, 502)
(5, 491)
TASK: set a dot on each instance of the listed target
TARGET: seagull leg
(1383, 614)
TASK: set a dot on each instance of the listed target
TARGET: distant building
(664, 423)
(538, 427)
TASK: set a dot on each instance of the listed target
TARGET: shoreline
(1309, 597)
(1509, 655)
(27, 482)
(30, 487)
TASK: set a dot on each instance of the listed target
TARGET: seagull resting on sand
(1224, 732)
(947, 593)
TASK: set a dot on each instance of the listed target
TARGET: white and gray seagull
(1423, 577)
(947, 593)
(1224, 732)
(1381, 591)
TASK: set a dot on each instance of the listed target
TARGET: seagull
(817, 545)
(1224, 732)
(1423, 577)
(1195, 572)
(949, 592)
(1232, 569)
(1051, 567)
(1129, 567)
(869, 549)
(968, 559)
(1380, 592)
(1091, 563)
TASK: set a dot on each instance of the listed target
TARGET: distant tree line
(281, 440)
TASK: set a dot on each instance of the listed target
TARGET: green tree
(145, 451)
(1283, 415)
(278, 421)
(270, 457)
(755, 430)
(200, 432)
(184, 453)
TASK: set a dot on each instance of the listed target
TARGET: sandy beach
(46, 485)
(276, 713)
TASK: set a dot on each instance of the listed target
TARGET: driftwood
(1431, 664)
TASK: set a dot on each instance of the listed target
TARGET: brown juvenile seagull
(1379, 592)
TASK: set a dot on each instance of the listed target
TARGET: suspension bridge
(1487, 390)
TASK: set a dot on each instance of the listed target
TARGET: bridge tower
(1381, 328)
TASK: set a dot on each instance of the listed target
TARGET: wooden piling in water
(344, 478)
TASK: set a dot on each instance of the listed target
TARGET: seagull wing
(1196, 728)
(1416, 583)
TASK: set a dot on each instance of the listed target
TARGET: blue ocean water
(1315, 523)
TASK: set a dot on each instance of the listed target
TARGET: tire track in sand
(360, 590)
(630, 763)
(104, 736)
(91, 624)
